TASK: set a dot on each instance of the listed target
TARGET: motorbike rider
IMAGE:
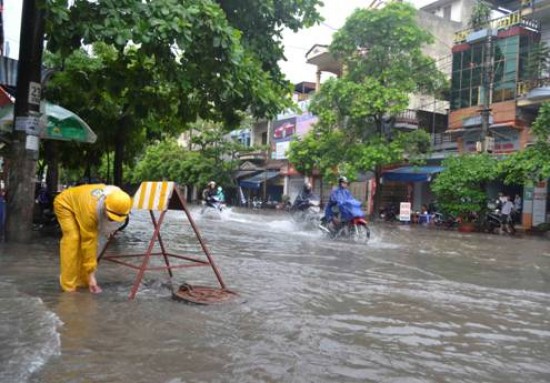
(220, 195)
(338, 198)
(304, 198)
(209, 195)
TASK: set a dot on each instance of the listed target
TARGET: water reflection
(414, 305)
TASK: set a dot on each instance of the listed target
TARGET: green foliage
(533, 163)
(460, 188)
(385, 45)
(219, 56)
(158, 65)
(168, 161)
(481, 14)
(538, 61)
(381, 51)
(212, 157)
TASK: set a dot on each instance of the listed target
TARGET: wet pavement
(413, 305)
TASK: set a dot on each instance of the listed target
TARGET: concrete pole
(21, 185)
(318, 81)
(487, 82)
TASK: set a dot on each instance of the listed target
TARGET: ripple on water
(28, 334)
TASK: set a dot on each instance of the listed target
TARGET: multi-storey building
(502, 53)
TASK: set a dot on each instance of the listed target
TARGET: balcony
(256, 156)
(444, 142)
(533, 92)
(407, 120)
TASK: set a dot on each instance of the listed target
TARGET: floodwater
(413, 305)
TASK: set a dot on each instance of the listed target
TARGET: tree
(205, 54)
(533, 163)
(173, 61)
(460, 189)
(214, 158)
(481, 14)
(383, 64)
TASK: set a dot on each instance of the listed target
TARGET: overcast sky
(334, 12)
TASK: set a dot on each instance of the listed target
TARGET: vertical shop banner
(405, 211)
(540, 193)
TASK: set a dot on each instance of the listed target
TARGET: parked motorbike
(307, 217)
(445, 221)
(388, 213)
(494, 221)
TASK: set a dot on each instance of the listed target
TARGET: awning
(57, 123)
(255, 181)
(411, 173)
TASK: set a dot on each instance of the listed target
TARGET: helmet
(343, 179)
(220, 188)
(212, 184)
(118, 205)
(307, 185)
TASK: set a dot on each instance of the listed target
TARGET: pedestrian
(83, 212)
(506, 212)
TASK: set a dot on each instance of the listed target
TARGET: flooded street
(413, 305)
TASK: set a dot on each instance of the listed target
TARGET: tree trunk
(119, 152)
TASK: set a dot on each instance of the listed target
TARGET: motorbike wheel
(360, 234)
(296, 215)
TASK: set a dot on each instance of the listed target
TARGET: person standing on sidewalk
(83, 211)
(506, 215)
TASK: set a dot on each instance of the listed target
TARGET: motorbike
(308, 216)
(348, 223)
(213, 207)
(494, 221)
(388, 213)
(445, 221)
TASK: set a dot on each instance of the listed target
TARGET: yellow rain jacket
(80, 211)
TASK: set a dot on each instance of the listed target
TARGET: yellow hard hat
(118, 205)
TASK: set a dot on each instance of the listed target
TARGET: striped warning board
(153, 195)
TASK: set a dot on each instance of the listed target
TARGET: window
(510, 64)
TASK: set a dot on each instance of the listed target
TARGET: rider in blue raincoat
(341, 202)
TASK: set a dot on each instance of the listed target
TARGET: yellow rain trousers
(77, 210)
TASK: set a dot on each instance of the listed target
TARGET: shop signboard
(405, 211)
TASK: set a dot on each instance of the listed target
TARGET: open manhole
(202, 295)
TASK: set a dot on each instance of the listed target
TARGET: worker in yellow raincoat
(81, 212)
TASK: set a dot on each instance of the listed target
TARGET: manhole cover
(202, 295)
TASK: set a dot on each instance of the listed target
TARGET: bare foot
(95, 289)
(92, 285)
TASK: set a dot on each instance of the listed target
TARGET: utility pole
(487, 81)
(24, 156)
